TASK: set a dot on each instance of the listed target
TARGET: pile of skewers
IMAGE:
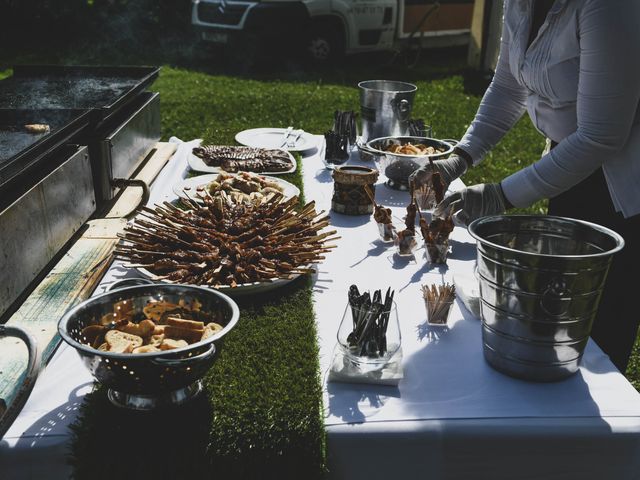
(405, 240)
(223, 243)
(382, 216)
(436, 233)
(370, 321)
(438, 300)
(429, 194)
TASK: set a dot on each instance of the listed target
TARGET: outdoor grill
(105, 108)
(101, 123)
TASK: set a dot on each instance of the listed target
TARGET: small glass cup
(387, 232)
(437, 252)
(438, 312)
(425, 198)
(367, 348)
(405, 243)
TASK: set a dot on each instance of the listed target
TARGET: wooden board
(70, 281)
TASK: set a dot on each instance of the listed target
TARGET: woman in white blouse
(574, 65)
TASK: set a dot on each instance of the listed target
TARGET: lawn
(201, 99)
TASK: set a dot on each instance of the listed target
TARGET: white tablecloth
(451, 416)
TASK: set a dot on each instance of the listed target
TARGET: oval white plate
(289, 189)
(241, 289)
(273, 138)
(197, 164)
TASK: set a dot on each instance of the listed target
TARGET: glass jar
(387, 232)
(438, 311)
(406, 243)
(437, 252)
(372, 345)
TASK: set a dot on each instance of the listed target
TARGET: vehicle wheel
(325, 43)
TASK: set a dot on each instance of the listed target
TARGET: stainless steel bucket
(540, 283)
(385, 108)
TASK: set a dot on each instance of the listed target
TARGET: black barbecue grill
(81, 105)
(102, 123)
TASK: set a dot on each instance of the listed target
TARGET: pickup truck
(327, 29)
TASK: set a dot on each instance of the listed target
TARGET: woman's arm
(608, 93)
(502, 105)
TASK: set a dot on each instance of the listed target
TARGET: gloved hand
(449, 168)
(473, 202)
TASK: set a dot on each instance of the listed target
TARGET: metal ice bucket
(385, 108)
(540, 283)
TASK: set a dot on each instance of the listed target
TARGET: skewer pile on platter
(223, 243)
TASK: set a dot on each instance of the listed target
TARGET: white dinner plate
(192, 184)
(273, 138)
(198, 165)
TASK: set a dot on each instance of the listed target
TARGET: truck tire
(325, 41)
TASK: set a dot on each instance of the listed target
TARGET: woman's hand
(450, 169)
(473, 202)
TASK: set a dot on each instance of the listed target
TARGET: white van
(326, 29)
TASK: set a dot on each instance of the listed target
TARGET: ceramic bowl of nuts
(150, 344)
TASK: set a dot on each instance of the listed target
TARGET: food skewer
(222, 243)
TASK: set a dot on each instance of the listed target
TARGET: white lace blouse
(580, 82)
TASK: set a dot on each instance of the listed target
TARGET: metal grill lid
(74, 87)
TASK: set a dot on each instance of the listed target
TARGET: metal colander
(149, 380)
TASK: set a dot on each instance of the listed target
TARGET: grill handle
(181, 362)
(134, 182)
(33, 369)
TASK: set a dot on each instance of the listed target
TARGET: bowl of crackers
(398, 157)
(150, 345)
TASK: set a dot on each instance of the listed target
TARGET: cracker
(171, 344)
(188, 334)
(211, 329)
(122, 342)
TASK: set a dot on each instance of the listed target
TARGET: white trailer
(326, 29)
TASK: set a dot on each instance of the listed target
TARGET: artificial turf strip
(261, 416)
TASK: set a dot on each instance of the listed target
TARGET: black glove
(449, 168)
(473, 202)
